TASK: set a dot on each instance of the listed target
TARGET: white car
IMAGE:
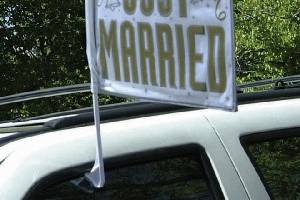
(157, 151)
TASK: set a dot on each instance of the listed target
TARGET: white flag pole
(96, 176)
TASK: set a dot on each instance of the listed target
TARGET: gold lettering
(108, 46)
(147, 52)
(165, 7)
(214, 85)
(165, 52)
(182, 8)
(181, 55)
(195, 57)
(128, 51)
(129, 6)
(147, 7)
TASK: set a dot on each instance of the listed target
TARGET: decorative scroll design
(195, 2)
(110, 4)
(220, 14)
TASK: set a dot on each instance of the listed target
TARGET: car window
(173, 178)
(278, 163)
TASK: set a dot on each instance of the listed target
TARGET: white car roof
(219, 132)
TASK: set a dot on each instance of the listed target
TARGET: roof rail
(286, 80)
(50, 92)
(280, 83)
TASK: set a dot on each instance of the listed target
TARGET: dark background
(42, 45)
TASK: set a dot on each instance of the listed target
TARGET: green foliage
(42, 45)
(54, 104)
(267, 38)
(279, 163)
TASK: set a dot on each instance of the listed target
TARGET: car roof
(217, 131)
(122, 110)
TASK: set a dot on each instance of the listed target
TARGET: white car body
(27, 160)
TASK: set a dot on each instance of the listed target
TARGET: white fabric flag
(172, 51)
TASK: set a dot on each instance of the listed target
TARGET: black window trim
(194, 150)
(264, 136)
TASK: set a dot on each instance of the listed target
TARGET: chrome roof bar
(49, 92)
